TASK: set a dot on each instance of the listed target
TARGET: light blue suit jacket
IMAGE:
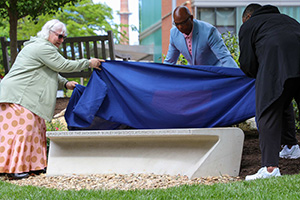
(208, 47)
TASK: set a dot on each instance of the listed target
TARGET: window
(222, 18)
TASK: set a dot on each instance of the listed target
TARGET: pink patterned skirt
(23, 143)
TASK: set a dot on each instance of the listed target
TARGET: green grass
(285, 187)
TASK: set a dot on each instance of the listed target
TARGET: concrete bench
(191, 152)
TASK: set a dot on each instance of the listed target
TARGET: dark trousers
(288, 135)
(275, 124)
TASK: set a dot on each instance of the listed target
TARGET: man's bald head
(181, 12)
(183, 19)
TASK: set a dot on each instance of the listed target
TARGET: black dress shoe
(38, 172)
(18, 175)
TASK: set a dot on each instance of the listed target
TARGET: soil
(251, 157)
(251, 153)
(61, 103)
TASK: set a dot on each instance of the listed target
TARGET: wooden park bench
(74, 48)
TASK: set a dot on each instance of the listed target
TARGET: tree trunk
(13, 22)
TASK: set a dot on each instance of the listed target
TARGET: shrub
(232, 43)
(55, 125)
(296, 111)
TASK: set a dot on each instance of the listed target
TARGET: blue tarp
(152, 95)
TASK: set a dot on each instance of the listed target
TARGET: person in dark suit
(199, 42)
(270, 49)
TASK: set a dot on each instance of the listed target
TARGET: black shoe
(38, 172)
(18, 175)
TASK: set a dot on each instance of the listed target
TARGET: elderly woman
(27, 99)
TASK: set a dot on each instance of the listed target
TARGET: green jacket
(33, 80)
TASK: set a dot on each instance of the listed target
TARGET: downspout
(174, 3)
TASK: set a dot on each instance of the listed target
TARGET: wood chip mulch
(116, 181)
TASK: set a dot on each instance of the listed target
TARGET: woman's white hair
(54, 25)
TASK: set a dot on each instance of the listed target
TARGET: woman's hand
(70, 85)
(96, 63)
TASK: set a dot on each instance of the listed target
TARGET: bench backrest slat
(80, 50)
(87, 46)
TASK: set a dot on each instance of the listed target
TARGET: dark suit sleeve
(248, 59)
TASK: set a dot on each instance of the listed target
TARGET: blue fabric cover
(152, 95)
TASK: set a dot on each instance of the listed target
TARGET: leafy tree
(82, 19)
(13, 10)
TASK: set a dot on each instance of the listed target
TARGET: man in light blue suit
(199, 42)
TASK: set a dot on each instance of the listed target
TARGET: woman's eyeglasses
(60, 36)
(181, 23)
